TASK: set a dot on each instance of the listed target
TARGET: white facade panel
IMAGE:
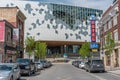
(41, 28)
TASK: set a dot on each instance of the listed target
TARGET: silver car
(82, 65)
(9, 71)
(39, 65)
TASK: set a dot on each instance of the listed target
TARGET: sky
(96, 4)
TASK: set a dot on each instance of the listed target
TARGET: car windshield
(97, 62)
(25, 61)
(6, 67)
(82, 62)
(43, 61)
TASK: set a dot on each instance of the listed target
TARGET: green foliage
(30, 44)
(85, 50)
(40, 50)
(110, 43)
(36, 48)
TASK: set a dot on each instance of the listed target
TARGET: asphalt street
(69, 72)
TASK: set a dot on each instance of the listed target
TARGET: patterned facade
(58, 25)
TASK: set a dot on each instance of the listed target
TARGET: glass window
(109, 24)
(116, 35)
(105, 27)
(115, 20)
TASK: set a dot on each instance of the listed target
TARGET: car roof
(14, 64)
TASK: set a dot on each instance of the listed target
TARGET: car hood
(4, 73)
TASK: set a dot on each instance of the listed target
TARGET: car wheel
(19, 77)
(89, 71)
(86, 70)
(29, 73)
(103, 71)
(11, 78)
(33, 71)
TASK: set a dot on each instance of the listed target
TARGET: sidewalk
(113, 70)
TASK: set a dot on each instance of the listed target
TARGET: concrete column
(105, 60)
(119, 56)
(113, 59)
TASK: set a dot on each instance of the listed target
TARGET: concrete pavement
(65, 71)
(113, 70)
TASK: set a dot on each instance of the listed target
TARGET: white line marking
(63, 78)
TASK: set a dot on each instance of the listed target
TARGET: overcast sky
(96, 4)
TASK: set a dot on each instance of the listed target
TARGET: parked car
(27, 66)
(73, 62)
(82, 65)
(44, 62)
(49, 64)
(36, 67)
(39, 65)
(94, 65)
(9, 71)
(76, 63)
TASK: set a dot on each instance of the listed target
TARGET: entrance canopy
(61, 43)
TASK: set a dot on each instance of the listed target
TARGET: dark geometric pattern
(34, 25)
(28, 33)
(81, 26)
(38, 34)
(56, 31)
(48, 26)
(28, 8)
(30, 28)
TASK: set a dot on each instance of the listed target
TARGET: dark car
(27, 66)
(95, 65)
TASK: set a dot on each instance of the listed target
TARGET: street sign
(94, 50)
(94, 46)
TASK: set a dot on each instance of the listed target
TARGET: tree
(30, 45)
(40, 50)
(110, 44)
(85, 50)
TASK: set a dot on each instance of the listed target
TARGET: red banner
(93, 32)
(2, 31)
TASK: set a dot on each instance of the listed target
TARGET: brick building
(110, 23)
(17, 19)
(7, 46)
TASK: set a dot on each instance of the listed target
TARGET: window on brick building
(105, 27)
(116, 35)
(110, 24)
(115, 20)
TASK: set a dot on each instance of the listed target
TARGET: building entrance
(58, 51)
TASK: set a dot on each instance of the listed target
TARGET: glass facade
(69, 14)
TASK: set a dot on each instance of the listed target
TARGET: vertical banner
(2, 31)
(15, 34)
(93, 44)
(93, 29)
